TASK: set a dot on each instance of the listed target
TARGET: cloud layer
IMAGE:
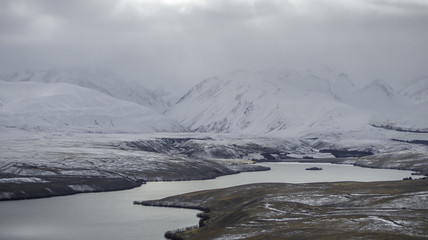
(157, 41)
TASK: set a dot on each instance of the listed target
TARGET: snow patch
(81, 188)
(22, 180)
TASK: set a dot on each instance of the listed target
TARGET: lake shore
(40, 186)
(16, 187)
(51, 166)
(341, 210)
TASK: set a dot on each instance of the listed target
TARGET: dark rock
(423, 142)
(344, 153)
(313, 168)
(400, 129)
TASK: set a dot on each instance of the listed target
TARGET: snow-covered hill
(293, 103)
(64, 107)
(98, 79)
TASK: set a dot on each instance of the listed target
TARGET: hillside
(64, 107)
(292, 103)
(98, 79)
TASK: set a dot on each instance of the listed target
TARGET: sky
(181, 42)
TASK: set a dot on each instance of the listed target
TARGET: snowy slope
(64, 107)
(377, 96)
(339, 84)
(170, 93)
(98, 79)
(269, 101)
(293, 103)
(392, 109)
(417, 90)
(411, 118)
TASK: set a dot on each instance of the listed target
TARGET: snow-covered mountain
(393, 109)
(64, 107)
(293, 103)
(339, 84)
(99, 79)
(377, 96)
(417, 89)
(274, 101)
(269, 101)
(170, 93)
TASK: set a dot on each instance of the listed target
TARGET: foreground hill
(341, 210)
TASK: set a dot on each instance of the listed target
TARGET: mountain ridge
(291, 102)
(96, 78)
(274, 101)
(35, 106)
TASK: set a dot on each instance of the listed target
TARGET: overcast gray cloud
(186, 40)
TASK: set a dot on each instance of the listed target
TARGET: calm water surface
(112, 215)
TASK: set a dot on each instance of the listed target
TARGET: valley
(47, 165)
(69, 131)
(217, 120)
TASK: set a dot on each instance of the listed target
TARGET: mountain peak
(272, 100)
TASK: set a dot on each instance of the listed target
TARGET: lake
(112, 215)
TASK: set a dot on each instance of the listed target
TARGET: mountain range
(293, 103)
(279, 102)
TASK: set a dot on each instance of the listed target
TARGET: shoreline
(173, 234)
(205, 215)
(60, 186)
(346, 202)
(64, 186)
(422, 170)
